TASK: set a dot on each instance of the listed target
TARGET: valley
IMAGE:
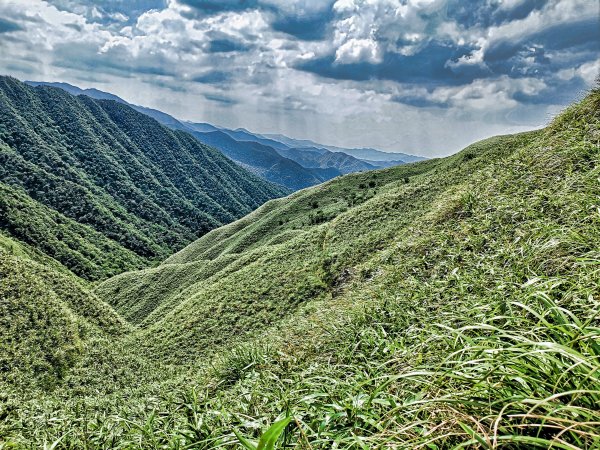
(157, 295)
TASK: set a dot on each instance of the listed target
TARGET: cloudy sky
(420, 76)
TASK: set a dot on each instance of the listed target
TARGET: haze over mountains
(292, 163)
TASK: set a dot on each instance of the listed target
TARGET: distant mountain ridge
(360, 153)
(340, 161)
(261, 160)
(293, 163)
(240, 134)
(97, 94)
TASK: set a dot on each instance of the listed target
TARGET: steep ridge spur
(110, 188)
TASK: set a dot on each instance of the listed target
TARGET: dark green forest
(102, 188)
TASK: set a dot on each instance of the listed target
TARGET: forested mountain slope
(342, 162)
(97, 94)
(103, 188)
(262, 160)
(267, 158)
(450, 303)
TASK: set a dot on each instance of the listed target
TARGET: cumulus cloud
(108, 11)
(354, 68)
(488, 94)
(376, 26)
(588, 72)
(358, 50)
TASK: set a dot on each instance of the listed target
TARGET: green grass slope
(140, 190)
(283, 225)
(288, 252)
(46, 317)
(451, 303)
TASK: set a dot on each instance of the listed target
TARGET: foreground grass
(459, 310)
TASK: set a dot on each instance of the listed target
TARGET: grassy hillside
(290, 251)
(46, 318)
(109, 179)
(450, 303)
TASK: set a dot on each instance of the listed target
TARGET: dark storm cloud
(427, 67)
(213, 77)
(84, 57)
(488, 13)
(303, 25)
(519, 11)
(534, 55)
(557, 92)
(220, 99)
(312, 27)
(216, 6)
(430, 65)
(539, 53)
(225, 45)
(419, 101)
(584, 33)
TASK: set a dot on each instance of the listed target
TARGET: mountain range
(292, 163)
(446, 303)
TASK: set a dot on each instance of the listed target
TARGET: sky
(426, 77)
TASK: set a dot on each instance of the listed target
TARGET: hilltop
(448, 303)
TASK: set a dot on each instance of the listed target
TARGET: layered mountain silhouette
(292, 163)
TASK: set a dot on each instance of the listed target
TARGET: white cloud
(588, 72)
(364, 29)
(487, 95)
(554, 13)
(358, 50)
(475, 58)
